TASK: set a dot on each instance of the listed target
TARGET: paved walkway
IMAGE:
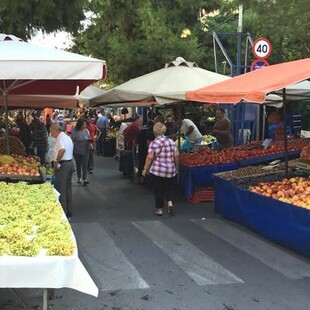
(195, 260)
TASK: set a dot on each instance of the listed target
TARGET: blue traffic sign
(258, 64)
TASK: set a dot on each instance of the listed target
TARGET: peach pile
(19, 165)
(295, 191)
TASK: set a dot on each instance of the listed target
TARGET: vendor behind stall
(189, 129)
(305, 153)
(275, 125)
(221, 130)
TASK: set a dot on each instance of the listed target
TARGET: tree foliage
(23, 17)
(284, 23)
(139, 36)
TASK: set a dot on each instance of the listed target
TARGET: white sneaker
(79, 181)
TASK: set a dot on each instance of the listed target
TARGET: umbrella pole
(285, 132)
(179, 128)
(179, 143)
(6, 112)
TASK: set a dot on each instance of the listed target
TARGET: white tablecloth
(46, 272)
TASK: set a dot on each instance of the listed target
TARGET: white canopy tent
(27, 69)
(90, 92)
(163, 86)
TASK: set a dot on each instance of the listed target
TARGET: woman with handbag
(162, 162)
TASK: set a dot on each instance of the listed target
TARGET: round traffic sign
(261, 48)
(258, 64)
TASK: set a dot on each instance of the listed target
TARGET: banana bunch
(6, 159)
(45, 170)
(208, 139)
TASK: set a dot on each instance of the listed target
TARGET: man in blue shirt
(103, 124)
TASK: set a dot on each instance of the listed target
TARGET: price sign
(261, 48)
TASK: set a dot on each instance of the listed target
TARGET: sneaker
(171, 210)
(85, 182)
(79, 181)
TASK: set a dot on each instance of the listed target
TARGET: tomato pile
(206, 156)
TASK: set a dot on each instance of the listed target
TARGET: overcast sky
(60, 40)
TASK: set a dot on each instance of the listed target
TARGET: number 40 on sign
(261, 48)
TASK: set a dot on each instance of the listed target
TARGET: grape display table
(46, 272)
(276, 220)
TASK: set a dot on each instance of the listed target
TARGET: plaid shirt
(163, 163)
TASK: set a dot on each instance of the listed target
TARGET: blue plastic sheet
(278, 221)
(225, 199)
(200, 176)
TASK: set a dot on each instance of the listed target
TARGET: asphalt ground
(194, 260)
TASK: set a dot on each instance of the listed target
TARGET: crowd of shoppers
(157, 154)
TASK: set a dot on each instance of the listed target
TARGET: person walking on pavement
(39, 138)
(144, 139)
(64, 167)
(94, 134)
(131, 133)
(81, 140)
(162, 159)
(103, 124)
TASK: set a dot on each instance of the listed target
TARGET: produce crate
(13, 178)
(202, 194)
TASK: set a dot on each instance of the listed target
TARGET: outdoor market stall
(37, 246)
(279, 212)
(27, 69)
(197, 168)
(29, 258)
(286, 221)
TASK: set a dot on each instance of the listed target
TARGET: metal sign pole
(285, 132)
(45, 299)
(6, 112)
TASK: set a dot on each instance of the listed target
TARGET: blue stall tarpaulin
(191, 177)
(278, 221)
(225, 199)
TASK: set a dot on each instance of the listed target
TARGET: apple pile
(295, 191)
(206, 156)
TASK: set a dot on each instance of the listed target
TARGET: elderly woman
(162, 162)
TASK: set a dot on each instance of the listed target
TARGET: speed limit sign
(261, 48)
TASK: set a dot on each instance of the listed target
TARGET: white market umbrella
(298, 91)
(27, 69)
(162, 86)
(41, 101)
(90, 92)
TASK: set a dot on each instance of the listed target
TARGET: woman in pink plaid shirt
(162, 163)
